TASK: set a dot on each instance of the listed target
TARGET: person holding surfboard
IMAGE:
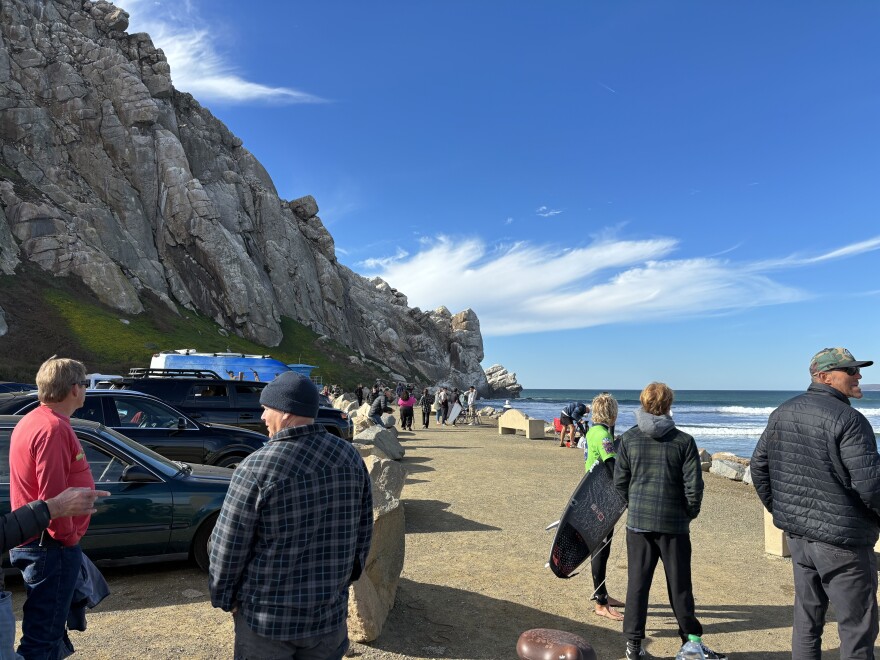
(658, 473)
(600, 448)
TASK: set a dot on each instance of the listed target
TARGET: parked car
(158, 509)
(156, 425)
(203, 395)
(6, 386)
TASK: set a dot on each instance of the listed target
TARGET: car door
(136, 519)
(247, 405)
(157, 426)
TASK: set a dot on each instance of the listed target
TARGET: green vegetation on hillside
(54, 315)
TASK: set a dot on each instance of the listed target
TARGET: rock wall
(110, 175)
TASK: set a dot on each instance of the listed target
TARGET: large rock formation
(110, 175)
(501, 383)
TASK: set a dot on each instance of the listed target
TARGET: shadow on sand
(431, 620)
(426, 516)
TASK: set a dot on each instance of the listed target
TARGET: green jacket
(600, 446)
(658, 473)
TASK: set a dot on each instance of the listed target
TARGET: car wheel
(230, 461)
(201, 542)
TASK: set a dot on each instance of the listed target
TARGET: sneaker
(635, 654)
(712, 655)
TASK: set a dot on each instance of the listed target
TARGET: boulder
(501, 383)
(368, 450)
(747, 476)
(384, 439)
(705, 460)
(372, 595)
(727, 456)
(729, 469)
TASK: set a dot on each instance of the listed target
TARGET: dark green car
(157, 509)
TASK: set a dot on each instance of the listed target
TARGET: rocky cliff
(110, 175)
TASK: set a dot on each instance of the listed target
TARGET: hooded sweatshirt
(658, 473)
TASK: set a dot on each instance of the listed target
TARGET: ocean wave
(722, 431)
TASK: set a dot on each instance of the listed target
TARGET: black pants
(426, 415)
(599, 564)
(643, 549)
(848, 578)
(406, 417)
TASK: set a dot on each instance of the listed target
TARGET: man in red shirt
(45, 458)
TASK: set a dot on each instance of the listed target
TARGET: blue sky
(622, 191)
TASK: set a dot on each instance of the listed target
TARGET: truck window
(209, 394)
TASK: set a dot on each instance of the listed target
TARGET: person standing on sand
(293, 533)
(443, 401)
(405, 404)
(425, 402)
(600, 447)
(658, 473)
(46, 458)
(816, 469)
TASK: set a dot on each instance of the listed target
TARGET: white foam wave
(746, 410)
(723, 431)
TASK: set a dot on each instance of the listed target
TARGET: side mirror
(181, 423)
(138, 474)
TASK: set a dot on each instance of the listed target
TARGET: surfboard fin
(552, 525)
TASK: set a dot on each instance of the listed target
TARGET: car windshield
(148, 456)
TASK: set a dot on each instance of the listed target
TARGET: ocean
(719, 420)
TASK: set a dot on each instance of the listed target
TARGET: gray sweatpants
(848, 578)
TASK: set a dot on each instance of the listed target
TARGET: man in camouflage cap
(817, 470)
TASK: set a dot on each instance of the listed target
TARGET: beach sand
(474, 579)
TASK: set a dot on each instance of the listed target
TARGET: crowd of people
(296, 524)
(816, 468)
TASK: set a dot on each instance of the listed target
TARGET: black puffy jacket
(817, 470)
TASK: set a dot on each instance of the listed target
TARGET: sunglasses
(850, 371)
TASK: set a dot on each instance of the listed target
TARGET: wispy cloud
(198, 65)
(384, 263)
(523, 287)
(509, 221)
(545, 212)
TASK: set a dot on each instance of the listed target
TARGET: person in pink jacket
(406, 403)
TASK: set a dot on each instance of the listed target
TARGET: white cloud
(384, 263)
(526, 287)
(198, 66)
(545, 212)
(509, 221)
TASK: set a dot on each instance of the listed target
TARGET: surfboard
(593, 509)
(454, 412)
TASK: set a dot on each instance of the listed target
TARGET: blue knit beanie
(293, 393)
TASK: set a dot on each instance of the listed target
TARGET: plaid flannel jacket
(661, 480)
(293, 533)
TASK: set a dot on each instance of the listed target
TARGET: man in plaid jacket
(293, 533)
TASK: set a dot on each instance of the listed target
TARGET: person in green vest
(600, 448)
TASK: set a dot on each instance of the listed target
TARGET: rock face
(110, 175)
(501, 383)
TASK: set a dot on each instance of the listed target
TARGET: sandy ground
(474, 578)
